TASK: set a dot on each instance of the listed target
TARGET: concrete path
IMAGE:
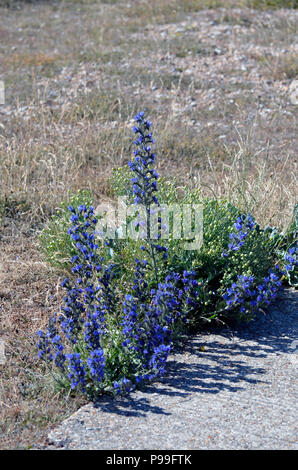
(240, 392)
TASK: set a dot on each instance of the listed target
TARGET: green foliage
(261, 250)
(279, 244)
(54, 241)
(218, 219)
(215, 272)
(286, 241)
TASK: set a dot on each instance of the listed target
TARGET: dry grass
(67, 120)
(29, 399)
(279, 67)
(254, 184)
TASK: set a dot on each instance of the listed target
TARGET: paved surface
(239, 393)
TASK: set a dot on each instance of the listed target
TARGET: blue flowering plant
(102, 340)
(253, 274)
(127, 301)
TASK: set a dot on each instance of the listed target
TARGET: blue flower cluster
(72, 311)
(94, 328)
(45, 340)
(83, 235)
(247, 295)
(58, 348)
(96, 363)
(85, 304)
(146, 328)
(77, 371)
(243, 225)
(50, 347)
(290, 258)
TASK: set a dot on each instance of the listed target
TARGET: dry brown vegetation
(216, 85)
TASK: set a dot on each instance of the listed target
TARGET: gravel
(227, 389)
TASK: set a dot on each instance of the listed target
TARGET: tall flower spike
(145, 180)
(145, 185)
